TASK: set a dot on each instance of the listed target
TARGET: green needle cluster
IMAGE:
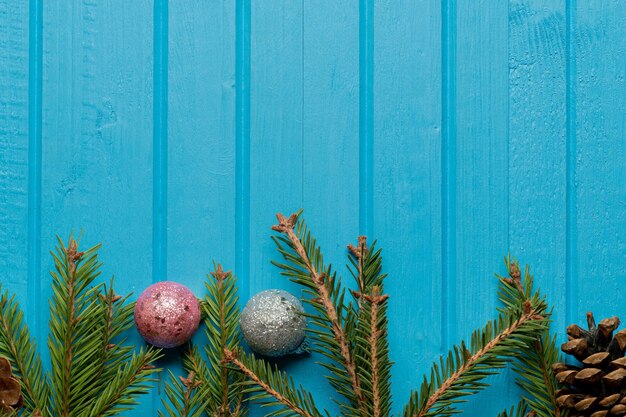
(94, 373)
(348, 329)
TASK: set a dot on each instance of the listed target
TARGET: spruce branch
(74, 324)
(272, 387)
(132, 380)
(463, 370)
(536, 378)
(72, 257)
(17, 345)
(370, 334)
(306, 267)
(220, 385)
(194, 363)
(185, 397)
(532, 365)
(222, 330)
(93, 373)
(359, 254)
(116, 317)
(352, 336)
(376, 332)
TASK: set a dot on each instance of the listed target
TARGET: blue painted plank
(480, 166)
(330, 128)
(14, 147)
(201, 199)
(97, 137)
(276, 131)
(537, 146)
(598, 133)
(242, 144)
(407, 182)
(159, 139)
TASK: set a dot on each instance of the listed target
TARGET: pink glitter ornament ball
(167, 314)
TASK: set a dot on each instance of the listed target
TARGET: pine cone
(10, 388)
(598, 387)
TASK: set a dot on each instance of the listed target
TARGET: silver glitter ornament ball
(273, 325)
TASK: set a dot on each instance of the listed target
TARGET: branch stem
(375, 300)
(73, 256)
(224, 371)
(231, 357)
(145, 364)
(286, 226)
(434, 398)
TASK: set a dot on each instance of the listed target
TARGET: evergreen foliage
(349, 330)
(93, 372)
(211, 387)
(532, 364)
(520, 410)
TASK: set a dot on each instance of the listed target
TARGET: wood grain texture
(453, 131)
(201, 153)
(407, 182)
(14, 41)
(97, 138)
(598, 76)
(537, 145)
(276, 130)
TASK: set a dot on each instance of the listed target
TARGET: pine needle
(185, 397)
(304, 265)
(272, 387)
(20, 349)
(93, 373)
(218, 389)
(535, 377)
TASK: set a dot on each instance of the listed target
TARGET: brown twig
(231, 357)
(109, 299)
(286, 226)
(73, 256)
(190, 384)
(359, 252)
(472, 360)
(220, 276)
(515, 278)
(375, 300)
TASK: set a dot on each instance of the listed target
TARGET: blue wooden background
(453, 131)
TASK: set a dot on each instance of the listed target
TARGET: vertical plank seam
(35, 90)
(159, 197)
(242, 139)
(366, 115)
(571, 249)
(303, 118)
(159, 229)
(507, 134)
(448, 171)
